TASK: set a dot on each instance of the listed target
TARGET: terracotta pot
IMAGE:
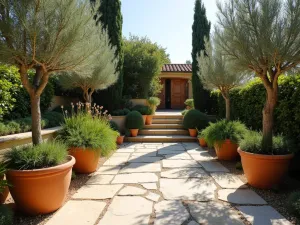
(40, 191)
(144, 118)
(227, 150)
(202, 142)
(86, 160)
(134, 132)
(264, 171)
(149, 119)
(120, 139)
(4, 193)
(193, 132)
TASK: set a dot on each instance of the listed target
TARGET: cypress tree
(109, 14)
(201, 29)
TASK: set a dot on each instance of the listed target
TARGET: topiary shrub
(134, 120)
(143, 109)
(113, 125)
(120, 112)
(190, 103)
(194, 119)
(6, 215)
(293, 203)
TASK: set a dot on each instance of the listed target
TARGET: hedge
(247, 104)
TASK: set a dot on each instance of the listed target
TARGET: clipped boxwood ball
(195, 119)
(134, 120)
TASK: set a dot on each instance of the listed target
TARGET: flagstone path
(165, 184)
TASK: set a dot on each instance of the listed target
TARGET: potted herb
(39, 176)
(153, 102)
(201, 139)
(144, 110)
(88, 135)
(3, 184)
(224, 136)
(193, 120)
(265, 168)
(115, 127)
(189, 104)
(134, 122)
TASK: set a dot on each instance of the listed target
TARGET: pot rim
(48, 170)
(263, 156)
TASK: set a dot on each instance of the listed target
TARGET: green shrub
(134, 120)
(44, 155)
(84, 131)
(293, 203)
(184, 112)
(53, 119)
(113, 125)
(6, 215)
(153, 101)
(143, 109)
(120, 112)
(252, 142)
(217, 133)
(190, 103)
(194, 119)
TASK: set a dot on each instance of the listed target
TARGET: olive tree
(47, 37)
(216, 73)
(104, 75)
(262, 36)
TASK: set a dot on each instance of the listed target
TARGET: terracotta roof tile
(179, 68)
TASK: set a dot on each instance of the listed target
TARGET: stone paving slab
(196, 151)
(116, 161)
(145, 159)
(187, 189)
(153, 197)
(172, 147)
(212, 166)
(148, 154)
(147, 150)
(178, 156)
(97, 191)
(203, 156)
(149, 186)
(180, 173)
(263, 215)
(100, 179)
(141, 168)
(228, 180)
(241, 197)
(188, 145)
(121, 154)
(132, 210)
(180, 163)
(130, 190)
(192, 223)
(113, 170)
(76, 213)
(170, 213)
(169, 151)
(213, 213)
(135, 178)
(125, 150)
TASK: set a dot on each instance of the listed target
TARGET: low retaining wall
(14, 140)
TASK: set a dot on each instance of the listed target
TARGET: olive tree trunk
(225, 94)
(36, 119)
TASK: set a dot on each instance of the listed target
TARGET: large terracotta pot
(149, 119)
(134, 132)
(202, 142)
(227, 150)
(4, 193)
(264, 171)
(144, 118)
(86, 160)
(40, 191)
(193, 132)
(120, 139)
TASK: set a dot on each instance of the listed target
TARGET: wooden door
(178, 93)
(162, 94)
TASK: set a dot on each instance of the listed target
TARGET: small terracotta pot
(202, 142)
(120, 139)
(264, 171)
(144, 118)
(193, 132)
(4, 193)
(86, 160)
(227, 150)
(40, 191)
(149, 119)
(134, 132)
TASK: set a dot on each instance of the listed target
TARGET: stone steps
(166, 121)
(163, 132)
(167, 117)
(164, 126)
(161, 138)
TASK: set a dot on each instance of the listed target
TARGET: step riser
(163, 132)
(164, 126)
(166, 121)
(167, 117)
(160, 140)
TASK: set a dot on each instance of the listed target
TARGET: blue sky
(167, 22)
